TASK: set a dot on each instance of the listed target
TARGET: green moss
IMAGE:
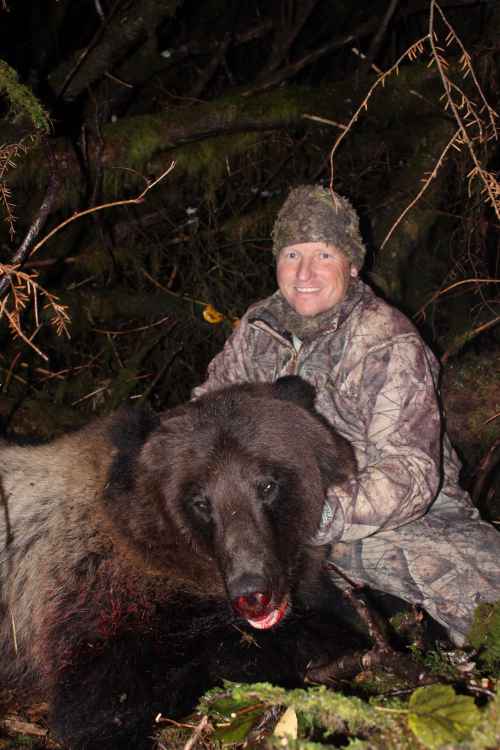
(196, 137)
(484, 635)
(21, 99)
(208, 158)
(323, 716)
(318, 706)
(139, 138)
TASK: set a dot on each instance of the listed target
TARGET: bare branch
(119, 33)
(290, 28)
(379, 36)
(411, 53)
(46, 207)
(8, 154)
(491, 185)
(210, 69)
(440, 292)
(24, 287)
(427, 181)
(126, 202)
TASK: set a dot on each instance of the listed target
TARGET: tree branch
(377, 39)
(287, 34)
(45, 209)
(111, 43)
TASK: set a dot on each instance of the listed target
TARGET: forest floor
(452, 704)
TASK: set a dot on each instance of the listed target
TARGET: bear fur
(135, 551)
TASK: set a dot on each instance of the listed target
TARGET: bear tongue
(271, 619)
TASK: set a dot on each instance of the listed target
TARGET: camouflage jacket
(376, 383)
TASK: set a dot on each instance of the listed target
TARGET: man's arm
(394, 411)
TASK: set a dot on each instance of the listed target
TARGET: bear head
(220, 496)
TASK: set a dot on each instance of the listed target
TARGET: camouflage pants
(447, 562)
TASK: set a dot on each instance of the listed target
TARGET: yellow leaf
(288, 725)
(211, 315)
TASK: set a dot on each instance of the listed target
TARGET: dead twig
(352, 664)
(8, 155)
(134, 330)
(45, 208)
(468, 336)
(427, 181)
(440, 292)
(23, 287)
(126, 202)
(374, 623)
(324, 121)
(199, 729)
(13, 725)
(19, 288)
(411, 53)
(472, 116)
(490, 184)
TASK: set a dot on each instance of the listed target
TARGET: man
(403, 525)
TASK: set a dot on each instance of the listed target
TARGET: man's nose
(304, 270)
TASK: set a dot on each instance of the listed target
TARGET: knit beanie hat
(311, 213)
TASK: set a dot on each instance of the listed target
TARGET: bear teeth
(272, 619)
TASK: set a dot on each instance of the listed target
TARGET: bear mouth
(270, 618)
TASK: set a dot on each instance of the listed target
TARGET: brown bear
(134, 552)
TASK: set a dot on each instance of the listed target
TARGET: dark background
(249, 99)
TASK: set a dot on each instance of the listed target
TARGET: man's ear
(292, 388)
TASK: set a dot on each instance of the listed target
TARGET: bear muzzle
(254, 600)
(259, 611)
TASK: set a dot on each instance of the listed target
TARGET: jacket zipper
(291, 367)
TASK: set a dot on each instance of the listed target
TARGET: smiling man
(403, 525)
(313, 276)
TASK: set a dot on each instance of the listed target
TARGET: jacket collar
(275, 313)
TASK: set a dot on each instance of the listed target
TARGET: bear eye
(201, 504)
(268, 489)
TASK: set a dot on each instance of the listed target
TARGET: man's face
(313, 276)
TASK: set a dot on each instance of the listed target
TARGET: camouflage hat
(312, 213)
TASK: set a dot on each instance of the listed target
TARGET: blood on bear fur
(131, 548)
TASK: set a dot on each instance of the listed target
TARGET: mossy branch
(21, 99)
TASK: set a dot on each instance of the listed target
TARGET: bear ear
(130, 428)
(293, 388)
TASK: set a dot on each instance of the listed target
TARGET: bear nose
(253, 605)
